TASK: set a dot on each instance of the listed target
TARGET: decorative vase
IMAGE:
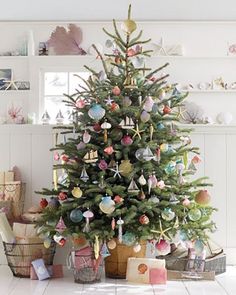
(116, 263)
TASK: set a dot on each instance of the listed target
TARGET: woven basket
(20, 256)
(116, 263)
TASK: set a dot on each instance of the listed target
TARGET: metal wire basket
(19, 256)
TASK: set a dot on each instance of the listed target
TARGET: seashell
(224, 118)
(148, 104)
(142, 180)
(96, 112)
(106, 125)
(127, 101)
(86, 137)
(145, 116)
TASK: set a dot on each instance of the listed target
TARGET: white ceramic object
(224, 118)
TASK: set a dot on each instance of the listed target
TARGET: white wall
(109, 9)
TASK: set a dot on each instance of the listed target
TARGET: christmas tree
(126, 165)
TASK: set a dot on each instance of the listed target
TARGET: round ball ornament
(53, 203)
(62, 196)
(103, 165)
(148, 104)
(126, 140)
(96, 112)
(170, 167)
(139, 154)
(128, 239)
(107, 205)
(163, 247)
(97, 127)
(77, 192)
(111, 244)
(202, 198)
(194, 214)
(167, 214)
(116, 91)
(125, 167)
(118, 199)
(116, 134)
(76, 215)
(145, 116)
(143, 219)
(128, 26)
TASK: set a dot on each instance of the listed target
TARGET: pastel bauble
(127, 101)
(96, 112)
(77, 192)
(125, 168)
(148, 104)
(142, 180)
(143, 219)
(224, 118)
(107, 205)
(126, 140)
(128, 239)
(128, 26)
(145, 116)
(163, 247)
(167, 214)
(111, 244)
(76, 215)
(202, 197)
(194, 214)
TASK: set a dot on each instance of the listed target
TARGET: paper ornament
(107, 205)
(76, 215)
(96, 112)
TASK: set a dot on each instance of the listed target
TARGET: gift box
(40, 269)
(173, 275)
(143, 270)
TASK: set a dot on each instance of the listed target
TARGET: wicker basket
(116, 263)
(86, 268)
(20, 256)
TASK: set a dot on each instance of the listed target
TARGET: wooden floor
(9, 285)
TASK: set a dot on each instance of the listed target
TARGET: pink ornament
(80, 104)
(145, 116)
(116, 91)
(56, 156)
(148, 104)
(118, 199)
(81, 146)
(163, 247)
(103, 165)
(196, 160)
(126, 140)
(109, 150)
(60, 227)
(131, 52)
(113, 223)
(161, 184)
(186, 202)
(62, 196)
(64, 158)
(232, 48)
(86, 137)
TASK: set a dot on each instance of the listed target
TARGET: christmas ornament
(109, 150)
(86, 137)
(167, 214)
(61, 227)
(79, 240)
(131, 52)
(160, 126)
(202, 197)
(162, 232)
(87, 214)
(53, 203)
(102, 164)
(126, 101)
(152, 182)
(116, 134)
(62, 196)
(97, 127)
(128, 26)
(116, 170)
(194, 214)
(154, 199)
(198, 246)
(196, 159)
(164, 147)
(137, 132)
(76, 215)
(166, 110)
(155, 108)
(118, 199)
(158, 155)
(45, 117)
(126, 140)
(80, 104)
(113, 223)
(56, 156)
(141, 195)
(64, 158)
(143, 219)
(115, 107)
(162, 94)
(151, 130)
(161, 184)
(125, 168)
(142, 180)
(107, 205)
(62, 179)
(148, 104)
(128, 239)
(180, 168)
(137, 248)
(105, 126)
(91, 157)
(59, 239)
(170, 167)
(163, 247)
(77, 192)
(101, 183)
(43, 203)
(147, 154)
(59, 117)
(139, 154)
(120, 222)
(186, 202)
(116, 91)
(96, 247)
(127, 123)
(111, 244)
(96, 112)
(81, 145)
(84, 176)
(104, 251)
(173, 200)
(145, 116)
(109, 101)
(133, 188)
(47, 243)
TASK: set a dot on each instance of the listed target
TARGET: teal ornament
(194, 214)
(96, 112)
(183, 236)
(198, 247)
(107, 205)
(160, 126)
(76, 215)
(170, 167)
(167, 214)
(128, 239)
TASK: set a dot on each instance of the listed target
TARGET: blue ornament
(76, 215)
(53, 203)
(96, 112)
(170, 167)
(167, 214)
(160, 126)
(183, 236)
(128, 239)
(107, 205)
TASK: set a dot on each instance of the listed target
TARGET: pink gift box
(55, 271)
(157, 276)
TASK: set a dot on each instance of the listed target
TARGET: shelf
(5, 92)
(20, 57)
(209, 91)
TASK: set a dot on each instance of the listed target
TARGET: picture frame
(5, 76)
(23, 85)
(43, 48)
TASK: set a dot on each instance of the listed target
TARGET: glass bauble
(148, 104)
(163, 247)
(202, 197)
(77, 192)
(194, 214)
(167, 214)
(107, 205)
(128, 239)
(139, 154)
(128, 26)
(125, 168)
(160, 126)
(170, 167)
(76, 215)
(145, 116)
(96, 112)
(116, 134)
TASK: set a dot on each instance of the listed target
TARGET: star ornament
(109, 101)
(162, 232)
(116, 170)
(137, 132)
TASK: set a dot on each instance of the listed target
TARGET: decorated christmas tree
(125, 169)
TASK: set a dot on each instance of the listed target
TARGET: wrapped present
(40, 269)
(157, 276)
(141, 270)
(55, 272)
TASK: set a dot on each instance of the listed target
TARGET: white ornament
(137, 248)
(224, 118)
